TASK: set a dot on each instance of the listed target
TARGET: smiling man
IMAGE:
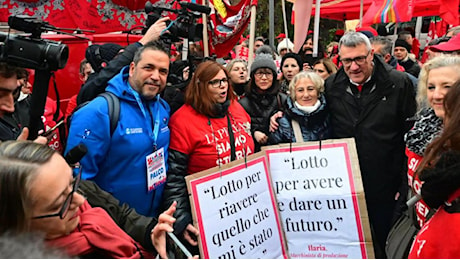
(370, 101)
(118, 161)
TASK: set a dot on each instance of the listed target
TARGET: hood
(119, 85)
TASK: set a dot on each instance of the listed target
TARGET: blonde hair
(314, 77)
(435, 63)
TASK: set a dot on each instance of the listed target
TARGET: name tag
(156, 169)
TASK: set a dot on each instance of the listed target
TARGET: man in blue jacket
(130, 162)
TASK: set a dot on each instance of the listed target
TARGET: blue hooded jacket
(117, 163)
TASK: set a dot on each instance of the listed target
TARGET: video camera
(184, 26)
(32, 51)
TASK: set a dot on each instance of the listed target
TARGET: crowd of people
(129, 189)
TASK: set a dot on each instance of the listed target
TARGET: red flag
(386, 11)
(228, 24)
(448, 11)
(302, 21)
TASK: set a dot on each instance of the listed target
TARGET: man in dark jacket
(403, 55)
(371, 101)
(382, 46)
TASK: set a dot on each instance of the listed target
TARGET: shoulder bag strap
(297, 131)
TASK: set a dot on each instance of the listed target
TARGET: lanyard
(152, 132)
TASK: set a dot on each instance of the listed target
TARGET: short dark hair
(7, 71)
(83, 65)
(155, 45)
(403, 35)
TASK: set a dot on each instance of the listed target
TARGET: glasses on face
(360, 60)
(68, 200)
(260, 74)
(216, 83)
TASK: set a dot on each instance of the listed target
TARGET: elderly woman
(306, 117)
(43, 196)
(324, 68)
(291, 64)
(210, 130)
(436, 78)
(238, 72)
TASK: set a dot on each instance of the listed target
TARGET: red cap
(281, 36)
(452, 45)
(368, 29)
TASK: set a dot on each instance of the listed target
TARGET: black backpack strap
(114, 109)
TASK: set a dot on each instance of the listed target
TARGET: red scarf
(97, 232)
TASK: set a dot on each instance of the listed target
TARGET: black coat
(97, 83)
(376, 118)
(260, 108)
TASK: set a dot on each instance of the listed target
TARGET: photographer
(98, 83)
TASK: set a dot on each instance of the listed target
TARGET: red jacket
(439, 237)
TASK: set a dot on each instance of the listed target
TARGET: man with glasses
(129, 162)
(370, 102)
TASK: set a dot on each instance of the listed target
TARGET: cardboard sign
(321, 199)
(235, 210)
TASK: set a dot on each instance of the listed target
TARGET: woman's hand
(25, 134)
(190, 234)
(260, 137)
(165, 224)
(273, 121)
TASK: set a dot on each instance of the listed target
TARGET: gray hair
(313, 76)
(353, 39)
(386, 43)
(435, 63)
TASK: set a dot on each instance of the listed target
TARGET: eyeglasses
(360, 60)
(260, 74)
(68, 201)
(218, 82)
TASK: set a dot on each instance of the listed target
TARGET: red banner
(99, 15)
(228, 24)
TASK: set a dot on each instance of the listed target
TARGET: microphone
(196, 7)
(75, 154)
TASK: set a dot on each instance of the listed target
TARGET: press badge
(156, 169)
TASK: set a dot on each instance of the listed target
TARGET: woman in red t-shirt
(210, 129)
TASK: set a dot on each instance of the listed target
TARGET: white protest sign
(321, 199)
(235, 210)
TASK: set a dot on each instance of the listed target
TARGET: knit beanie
(263, 60)
(285, 44)
(403, 43)
(292, 56)
(99, 54)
